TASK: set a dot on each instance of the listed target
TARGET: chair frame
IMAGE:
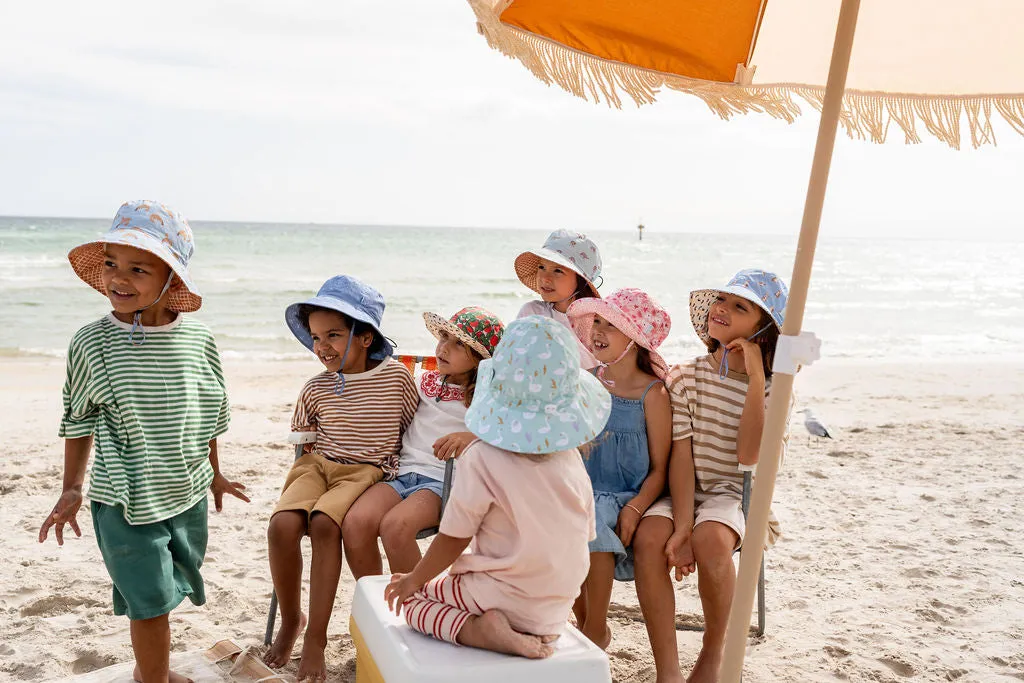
(300, 439)
(761, 607)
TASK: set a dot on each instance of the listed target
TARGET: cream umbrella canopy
(922, 67)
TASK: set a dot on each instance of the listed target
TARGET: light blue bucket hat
(532, 396)
(153, 227)
(350, 296)
(766, 290)
(573, 250)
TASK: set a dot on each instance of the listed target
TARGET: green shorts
(153, 566)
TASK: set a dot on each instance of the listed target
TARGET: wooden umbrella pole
(777, 413)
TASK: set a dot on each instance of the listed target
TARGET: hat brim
(291, 316)
(581, 316)
(700, 306)
(436, 324)
(87, 262)
(527, 262)
(587, 411)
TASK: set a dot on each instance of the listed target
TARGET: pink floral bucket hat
(633, 312)
(476, 327)
(572, 250)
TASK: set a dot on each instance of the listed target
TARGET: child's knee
(397, 527)
(323, 528)
(359, 525)
(287, 527)
(649, 543)
(713, 543)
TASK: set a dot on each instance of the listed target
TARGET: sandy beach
(901, 557)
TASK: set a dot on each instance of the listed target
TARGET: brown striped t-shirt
(365, 424)
(707, 409)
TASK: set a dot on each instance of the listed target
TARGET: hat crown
(640, 308)
(480, 325)
(526, 359)
(578, 249)
(357, 293)
(158, 221)
(768, 290)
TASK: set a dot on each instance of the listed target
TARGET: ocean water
(869, 299)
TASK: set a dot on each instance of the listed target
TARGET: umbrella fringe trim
(866, 115)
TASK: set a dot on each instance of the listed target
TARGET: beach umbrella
(944, 68)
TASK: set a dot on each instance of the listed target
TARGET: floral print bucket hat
(476, 327)
(764, 289)
(532, 396)
(633, 312)
(573, 250)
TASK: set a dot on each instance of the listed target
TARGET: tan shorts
(720, 507)
(316, 484)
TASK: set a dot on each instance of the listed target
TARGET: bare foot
(173, 677)
(550, 638)
(280, 653)
(705, 670)
(491, 631)
(312, 666)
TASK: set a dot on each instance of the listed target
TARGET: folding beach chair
(300, 439)
(747, 478)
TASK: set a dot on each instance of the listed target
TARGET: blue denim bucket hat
(350, 296)
(531, 395)
(766, 290)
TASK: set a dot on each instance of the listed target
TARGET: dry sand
(902, 556)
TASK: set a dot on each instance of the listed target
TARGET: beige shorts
(720, 507)
(316, 484)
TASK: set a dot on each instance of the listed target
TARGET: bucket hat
(153, 227)
(532, 397)
(573, 250)
(350, 296)
(766, 290)
(477, 328)
(634, 313)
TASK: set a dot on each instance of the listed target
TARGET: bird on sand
(814, 426)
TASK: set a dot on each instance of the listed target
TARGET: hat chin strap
(339, 385)
(604, 366)
(723, 367)
(137, 317)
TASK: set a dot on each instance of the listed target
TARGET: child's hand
(452, 445)
(398, 591)
(752, 359)
(220, 485)
(679, 552)
(629, 519)
(64, 512)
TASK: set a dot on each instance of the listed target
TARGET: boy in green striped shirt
(145, 387)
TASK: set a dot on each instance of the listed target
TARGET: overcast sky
(398, 113)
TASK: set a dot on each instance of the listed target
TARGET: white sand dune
(902, 557)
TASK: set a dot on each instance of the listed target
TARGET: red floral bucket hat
(476, 327)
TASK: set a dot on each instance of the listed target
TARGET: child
(522, 496)
(564, 270)
(359, 407)
(144, 383)
(628, 463)
(718, 405)
(399, 509)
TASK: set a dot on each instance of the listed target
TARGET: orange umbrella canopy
(937, 67)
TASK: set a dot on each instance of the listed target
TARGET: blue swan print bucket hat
(531, 395)
(350, 296)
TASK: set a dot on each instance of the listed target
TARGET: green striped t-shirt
(152, 409)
